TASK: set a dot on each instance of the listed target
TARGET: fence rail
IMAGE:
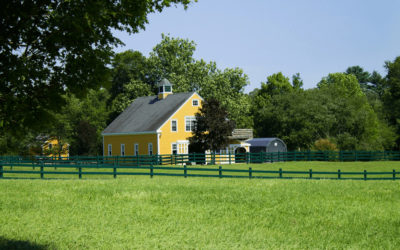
(202, 159)
(42, 170)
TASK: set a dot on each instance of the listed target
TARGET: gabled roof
(147, 114)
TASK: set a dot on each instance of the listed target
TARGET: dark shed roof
(147, 114)
(262, 142)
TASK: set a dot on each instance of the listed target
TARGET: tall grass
(173, 212)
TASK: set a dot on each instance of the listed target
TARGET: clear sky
(312, 37)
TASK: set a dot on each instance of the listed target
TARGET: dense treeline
(351, 110)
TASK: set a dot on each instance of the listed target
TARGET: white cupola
(164, 89)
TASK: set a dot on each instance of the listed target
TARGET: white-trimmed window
(150, 148)
(167, 89)
(195, 102)
(109, 149)
(174, 148)
(136, 149)
(122, 149)
(190, 123)
(174, 126)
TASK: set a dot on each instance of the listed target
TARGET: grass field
(200, 213)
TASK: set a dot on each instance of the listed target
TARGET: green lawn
(204, 213)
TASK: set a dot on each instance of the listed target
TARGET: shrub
(324, 145)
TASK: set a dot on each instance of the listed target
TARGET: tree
(392, 95)
(338, 109)
(127, 66)
(131, 91)
(85, 142)
(51, 47)
(173, 59)
(362, 76)
(212, 127)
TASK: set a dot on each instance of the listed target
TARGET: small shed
(266, 145)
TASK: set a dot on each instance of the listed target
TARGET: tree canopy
(173, 59)
(51, 47)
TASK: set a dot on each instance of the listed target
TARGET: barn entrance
(240, 155)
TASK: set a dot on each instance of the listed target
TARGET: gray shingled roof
(146, 114)
(262, 142)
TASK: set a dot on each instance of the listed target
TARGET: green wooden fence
(214, 159)
(46, 170)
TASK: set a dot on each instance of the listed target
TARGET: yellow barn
(51, 148)
(153, 125)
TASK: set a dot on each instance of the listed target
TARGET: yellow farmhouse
(159, 124)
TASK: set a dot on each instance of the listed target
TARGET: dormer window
(167, 89)
(195, 102)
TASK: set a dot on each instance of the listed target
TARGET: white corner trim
(158, 142)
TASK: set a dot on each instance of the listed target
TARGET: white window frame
(136, 149)
(197, 101)
(191, 118)
(122, 149)
(176, 125)
(170, 89)
(109, 150)
(172, 148)
(150, 148)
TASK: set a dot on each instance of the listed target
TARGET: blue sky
(312, 37)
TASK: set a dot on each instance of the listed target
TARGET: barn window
(174, 125)
(136, 149)
(190, 122)
(174, 149)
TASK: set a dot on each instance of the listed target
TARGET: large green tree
(49, 47)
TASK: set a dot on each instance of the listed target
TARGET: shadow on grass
(20, 244)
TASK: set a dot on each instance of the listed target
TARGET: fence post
(338, 174)
(280, 173)
(250, 173)
(41, 170)
(310, 173)
(184, 171)
(115, 172)
(230, 161)
(1, 171)
(394, 174)
(365, 175)
(220, 171)
(80, 172)
(151, 171)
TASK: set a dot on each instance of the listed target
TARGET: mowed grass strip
(106, 173)
(203, 213)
